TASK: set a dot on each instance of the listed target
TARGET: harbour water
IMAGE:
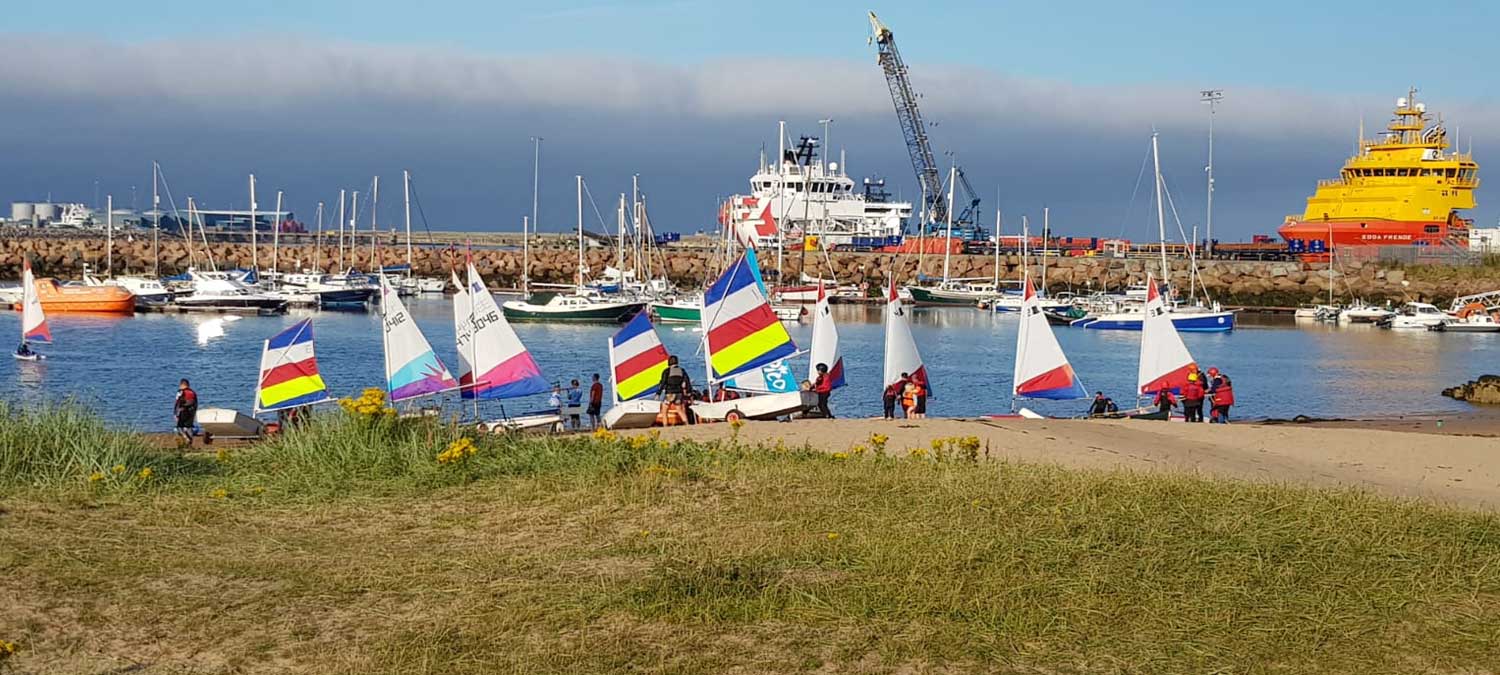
(127, 367)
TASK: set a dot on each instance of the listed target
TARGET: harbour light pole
(1212, 98)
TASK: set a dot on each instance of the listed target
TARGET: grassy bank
(349, 546)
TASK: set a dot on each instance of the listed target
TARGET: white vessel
(1362, 313)
(1416, 315)
(148, 291)
(222, 290)
(802, 194)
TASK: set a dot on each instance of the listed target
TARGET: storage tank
(22, 211)
(46, 211)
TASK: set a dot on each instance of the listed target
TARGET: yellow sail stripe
(290, 389)
(639, 382)
(749, 348)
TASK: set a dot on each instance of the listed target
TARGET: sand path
(1449, 469)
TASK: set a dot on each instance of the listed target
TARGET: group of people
(1213, 389)
(570, 403)
(911, 392)
(676, 386)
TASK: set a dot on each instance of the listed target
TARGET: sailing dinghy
(636, 361)
(1165, 361)
(825, 342)
(34, 328)
(412, 369)
(901, 355)
(741, 333)
(1042, 370)
(493, 363)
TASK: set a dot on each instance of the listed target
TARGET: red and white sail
(901, 354)
(1165, 361)
(825, 342)
(1042, 370)
(34, 326)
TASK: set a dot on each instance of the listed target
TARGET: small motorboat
(221, 290)
(1415, 316)
(1478, 322)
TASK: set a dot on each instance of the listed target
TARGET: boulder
(1485, 390)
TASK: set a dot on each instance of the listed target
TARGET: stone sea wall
(1232, 282)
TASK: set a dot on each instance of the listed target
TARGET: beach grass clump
(65, 445)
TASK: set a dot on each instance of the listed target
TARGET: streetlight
(1212, 98)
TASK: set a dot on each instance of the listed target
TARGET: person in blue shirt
(575, 406)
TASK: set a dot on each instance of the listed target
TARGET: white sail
(462, 327)
(1165, 361)
(901, 354)
(502, 367)
(1042, 370)
(34, 326)
(825, 342)
(412, 369)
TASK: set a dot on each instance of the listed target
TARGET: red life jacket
(1224, 392)
(1192, 391)
(824, 385)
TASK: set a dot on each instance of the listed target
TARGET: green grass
(346, 548)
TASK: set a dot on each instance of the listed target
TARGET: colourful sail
(741, 330)
(1042, 370)
(289, 371)
(636, 359)
(1165, 361)
(901, 354)
(825, 342)
(412, 369)
(494, 351)
(463, 329)
(34, 326)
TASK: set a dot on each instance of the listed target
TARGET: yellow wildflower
(736, 424)
(605, 435)
(937, 444)
(221, 455)
(220, 493)
(145, 474)
(117, 469)
(833, 536)
(8, 649)
(257, 490)
(878, 441)
(96, 476)
(645, 533)
(841, 455)
(859, 450)
(639, 442)
(916, 452)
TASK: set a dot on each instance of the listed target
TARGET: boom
(910, 118)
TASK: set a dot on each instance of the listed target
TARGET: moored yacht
(221, 290)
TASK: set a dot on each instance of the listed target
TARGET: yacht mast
(579, 277)
(109, 235)
(341, 232)
(254, 252)
(1161, 216)
(948, 236)
(353, 220)
(1046, 230)
(375, 221)
(406, 198)
(155, 223)
(276, 237)
(318, 246)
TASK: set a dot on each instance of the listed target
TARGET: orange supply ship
(58, 298)
(1401, 189)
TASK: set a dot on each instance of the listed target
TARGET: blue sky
(1046, 102)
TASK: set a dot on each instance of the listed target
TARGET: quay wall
(1247, 283)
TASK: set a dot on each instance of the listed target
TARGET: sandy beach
(1458, 464)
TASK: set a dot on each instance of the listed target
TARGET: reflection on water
(128, 366)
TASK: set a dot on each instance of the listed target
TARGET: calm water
(127, 367)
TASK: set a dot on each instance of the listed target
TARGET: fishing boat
(1164, 360)
(34, 327)
(412, 369)
(901, 355)
(742, 334)
(636, 361)
(493, 364)
(1042, 370)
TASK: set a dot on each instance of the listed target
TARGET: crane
(934, 207)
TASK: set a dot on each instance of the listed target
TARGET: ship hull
(670, 313)
(934, 296)
(1370, 232)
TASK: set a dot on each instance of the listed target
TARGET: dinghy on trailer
(741, 334)
(493, 362)
(636, 361)
(34, 326)
(1042, 370)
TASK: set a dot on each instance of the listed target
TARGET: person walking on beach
(1221, 391)
(596, 402)
(185, 410)
(823, 387)
(1192, 398)
(1164, 402)
(575, 406)
(892, 393)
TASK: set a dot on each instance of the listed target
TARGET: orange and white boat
(60, 298)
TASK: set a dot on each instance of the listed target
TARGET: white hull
(759, 407)
(637, 414)
(28, 357)
(545, 422)
(226, 423)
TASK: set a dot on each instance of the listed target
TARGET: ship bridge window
(1452, 172)
(1430, 229)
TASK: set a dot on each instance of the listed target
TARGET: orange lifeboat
(57, 298)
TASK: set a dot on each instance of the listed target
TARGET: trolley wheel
(734, 416)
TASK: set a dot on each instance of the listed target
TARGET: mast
(579, 274)
(1212, 98)
(318, 247)
(536, 173)
(1161, 216)
(406, 198)
(635, 218)
(620, 248)
(341, 231)
(374, 220)
(109, 236)
(353, 231)
(276, 238)
(996, 265)
(948, 235)
(155, 224)
(1025, 246)
(254, 253)
(1046, 230)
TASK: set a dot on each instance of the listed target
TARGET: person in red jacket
(1221, 391)
(1192, 398)
(1164, 402)
(823, 387)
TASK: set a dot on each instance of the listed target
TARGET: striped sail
(1042, 370)
(493, 350)
(901, 355)
(34, 326)
(740, 329)
(412, 369)
(825, 342)
(1165, 361)
(636, 359)
(289, 371)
